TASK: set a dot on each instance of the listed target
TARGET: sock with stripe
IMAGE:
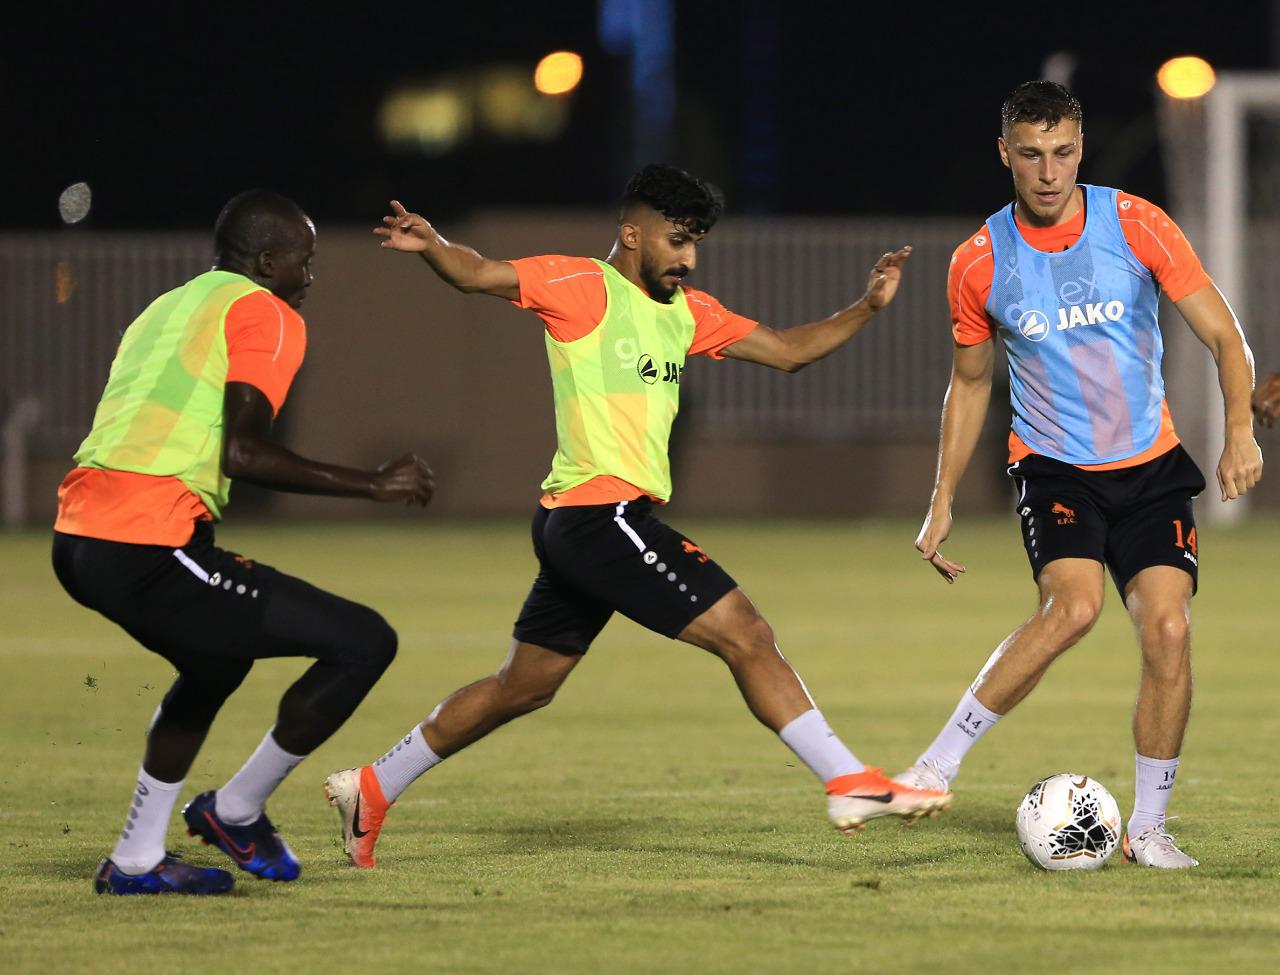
(399, 767)
(241, 801)
(815, 744)
(141, 845)
(970, 721)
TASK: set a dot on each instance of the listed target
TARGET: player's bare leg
(735, 631)
(1159, 602)
(1070, 599)
(527, 680)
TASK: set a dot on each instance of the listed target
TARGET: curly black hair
(1039, 101)
(690, 203)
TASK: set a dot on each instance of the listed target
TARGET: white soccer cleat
(925, 774)
(852, 800)
(358, 797)
(1154, 847)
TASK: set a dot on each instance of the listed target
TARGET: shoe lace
(932, 776)
(1160, 836)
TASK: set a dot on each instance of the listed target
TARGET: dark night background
(852, 108)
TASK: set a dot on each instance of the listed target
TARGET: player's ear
(264, 264)
(629, 235)
(1003, 148)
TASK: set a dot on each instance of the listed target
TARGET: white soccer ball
(1068, 822)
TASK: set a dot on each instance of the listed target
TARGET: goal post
(1222, 158)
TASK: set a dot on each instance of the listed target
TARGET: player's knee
(1073, 617)
(384, 644)
(200, 691)
(750, 638)
(1166, 642)
(378, 643)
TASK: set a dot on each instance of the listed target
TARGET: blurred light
(1060, 67)
(1186, 77)
(505, 96)
(432, 119)
(558, 73)
(74, 203)
(64, 281)
(509, 107)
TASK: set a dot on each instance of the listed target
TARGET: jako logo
(1034, 325)
(648, 369)
(1096, 313)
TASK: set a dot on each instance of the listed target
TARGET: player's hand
(407, 479)
(404, 231)
(934, 531)
(1266, 400)
(885, 276)
(1240, 467)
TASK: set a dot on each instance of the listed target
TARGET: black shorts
(1128, 519)
(596, 559)
(201, 601)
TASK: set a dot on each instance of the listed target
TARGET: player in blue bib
(1068, 278)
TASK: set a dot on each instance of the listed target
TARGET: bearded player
(1068, 277)
(618, 332)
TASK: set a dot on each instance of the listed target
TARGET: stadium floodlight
(1186, 77)
(558, 73)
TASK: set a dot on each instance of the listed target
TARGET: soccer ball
(1068, 822)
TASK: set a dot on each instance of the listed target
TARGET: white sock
(398, 768)
(815, 744)
(241, 800)
(961, 732)
(1152, 791)
(141, 845)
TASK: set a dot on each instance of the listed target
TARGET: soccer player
(1068, 277)
(191, 397)
(1266, 400)
(617, 334)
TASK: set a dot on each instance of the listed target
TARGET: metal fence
(65, 299)
(888, 381)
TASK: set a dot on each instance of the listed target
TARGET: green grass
(644, 822)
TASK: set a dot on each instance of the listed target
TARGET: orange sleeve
(266, 340)
(567, 293)
(1160, 245)
(715, 328)
(968, 287)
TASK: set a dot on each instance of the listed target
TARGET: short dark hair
(1039, 101)
(255, 221)
(690, 203)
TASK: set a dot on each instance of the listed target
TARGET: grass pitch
(644, 822)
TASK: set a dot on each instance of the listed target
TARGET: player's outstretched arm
(792, 349)
(1266, 400)
(456, 264)
(1209, 316)
(963, 412)
(248, 454)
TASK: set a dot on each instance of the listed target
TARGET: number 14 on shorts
(1186, 541)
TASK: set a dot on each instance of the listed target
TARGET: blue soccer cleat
(170, 876)
(256, 847)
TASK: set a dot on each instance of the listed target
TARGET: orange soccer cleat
(358, 797)
(869, 794)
